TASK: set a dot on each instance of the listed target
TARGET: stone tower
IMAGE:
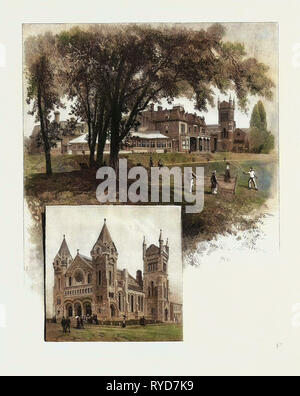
(156, 284)
(105, 257)
(227, 124)
(62, 261)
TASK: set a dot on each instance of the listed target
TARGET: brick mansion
(167, 130)
(94, 285)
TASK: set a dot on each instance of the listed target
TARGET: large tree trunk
(44, 134)
(100, 148)
(48, 163)
(114, 151)
(115, 139)
(92, 156)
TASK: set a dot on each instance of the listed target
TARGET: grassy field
(159, 332)
(70, 185)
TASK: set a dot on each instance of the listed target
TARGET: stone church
(94, 285)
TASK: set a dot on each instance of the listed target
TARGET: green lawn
(159, 332)
(70, 185)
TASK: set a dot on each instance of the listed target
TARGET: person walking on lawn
(214, 183)
(252, 177)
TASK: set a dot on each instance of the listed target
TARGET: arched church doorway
(69, 310)
(193, 144)
(112, 311)
(78, 309)
(87, 309)
(215, 144)
(166, 314)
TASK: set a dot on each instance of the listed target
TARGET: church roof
(86, 258)
(152, 249)
(64, 249)
(105, 236)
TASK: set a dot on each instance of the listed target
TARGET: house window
(58, 301)
(89, 280)
(224, 117)
(132, 303)
(152, 288)
(182, 128)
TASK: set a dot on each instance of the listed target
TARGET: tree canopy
(112, 73)
(260, 139)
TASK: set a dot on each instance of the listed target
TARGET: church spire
(104, 238)
(64, 249)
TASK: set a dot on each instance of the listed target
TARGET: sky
(127, 225)
(260, 40)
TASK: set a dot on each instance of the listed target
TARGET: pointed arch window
(120, 301)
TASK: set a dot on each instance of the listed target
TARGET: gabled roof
(245, 130)
(81, 261)
(152, 249)
(105, 236)
(85, 258)
(64, 249)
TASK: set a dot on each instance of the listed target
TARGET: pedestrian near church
(63, 324)
(68, 325)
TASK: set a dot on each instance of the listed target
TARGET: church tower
(227, 124)
(62, 261)
(156, 284)
(105, 257)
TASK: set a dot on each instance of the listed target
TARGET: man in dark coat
(68, 325)
(63, 324)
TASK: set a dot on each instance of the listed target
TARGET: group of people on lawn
(91, 319)
(213, 179)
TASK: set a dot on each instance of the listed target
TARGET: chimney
(57, 116)
(159, 108)
(139, 277)
(152, 106)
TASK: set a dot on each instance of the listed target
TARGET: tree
(79, 79)
(113, 73)
(260, 139)
(41, 90)
(137, 65)
(259, 117)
